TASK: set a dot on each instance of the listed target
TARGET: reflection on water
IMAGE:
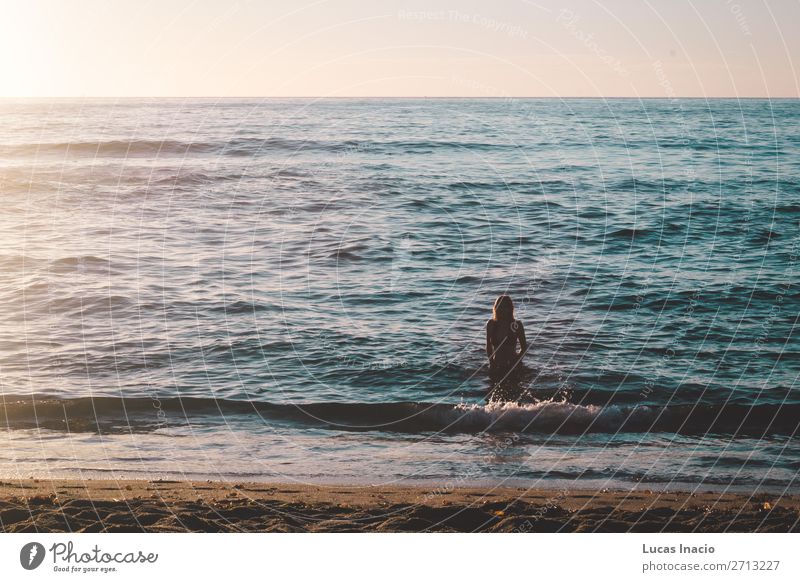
(346, 251)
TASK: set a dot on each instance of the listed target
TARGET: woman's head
(503, 309)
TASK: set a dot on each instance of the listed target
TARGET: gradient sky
(647, 48)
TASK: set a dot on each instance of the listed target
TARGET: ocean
(296, 290)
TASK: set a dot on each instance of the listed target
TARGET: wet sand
(32, 505)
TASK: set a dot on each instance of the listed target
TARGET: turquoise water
(298, 289)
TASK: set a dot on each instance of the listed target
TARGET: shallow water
(297, 290)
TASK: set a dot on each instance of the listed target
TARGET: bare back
(501, 342)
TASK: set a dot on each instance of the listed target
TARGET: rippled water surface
(298, 289)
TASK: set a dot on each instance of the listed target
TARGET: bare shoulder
(490, 324)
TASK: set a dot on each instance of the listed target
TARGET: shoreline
(95, 505)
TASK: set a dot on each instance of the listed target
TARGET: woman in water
(503, 332)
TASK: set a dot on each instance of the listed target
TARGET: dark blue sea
(297, 290)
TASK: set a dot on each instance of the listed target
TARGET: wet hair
(503, 309)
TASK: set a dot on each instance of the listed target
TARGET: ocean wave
(235, 146)
(104, 414)
(168, 147)
(629, 233)
(126, 148)
(426, 146)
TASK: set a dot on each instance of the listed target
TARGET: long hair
(503, 309)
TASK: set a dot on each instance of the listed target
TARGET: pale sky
(644, 48)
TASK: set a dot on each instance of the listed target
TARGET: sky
(435, 48)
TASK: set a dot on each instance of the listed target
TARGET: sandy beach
(33, 505)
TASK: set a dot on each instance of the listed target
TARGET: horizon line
(491, 97)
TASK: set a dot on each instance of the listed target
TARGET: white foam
(546, 416)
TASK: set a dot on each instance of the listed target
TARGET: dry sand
(178, 506)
